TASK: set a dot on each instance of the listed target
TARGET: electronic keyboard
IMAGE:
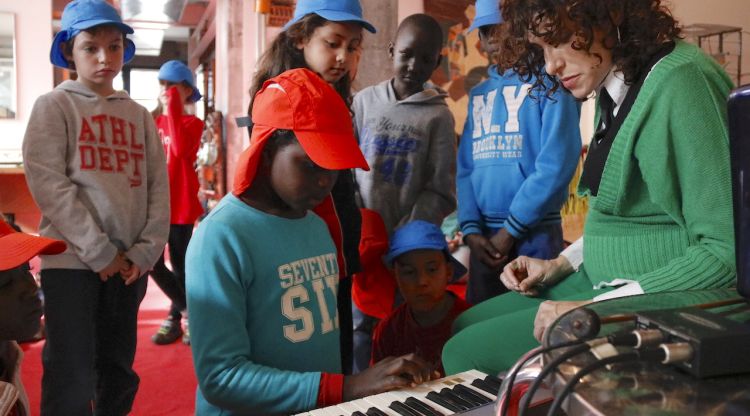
(471, 393)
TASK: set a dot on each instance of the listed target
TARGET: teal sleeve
(216, 294)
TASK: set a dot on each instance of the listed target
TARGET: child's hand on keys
(389, 374)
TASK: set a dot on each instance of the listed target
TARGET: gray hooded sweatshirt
(96, 169)
(410, 146)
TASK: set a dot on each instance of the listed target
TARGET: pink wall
(34, 71)
(33, 28)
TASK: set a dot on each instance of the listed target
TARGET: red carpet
(167, 379)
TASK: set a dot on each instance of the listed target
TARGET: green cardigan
(663, 213)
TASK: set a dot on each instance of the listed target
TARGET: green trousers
(492, 335)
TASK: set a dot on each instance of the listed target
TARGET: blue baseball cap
(333, 10)
(421, 235)
(487, 13)
(80, 15)
(177, 72)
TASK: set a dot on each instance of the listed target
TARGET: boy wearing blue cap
(423, 267)
(96, 169)
(406, 132)
(516, 157)
(181, 136)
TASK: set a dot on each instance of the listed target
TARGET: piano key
(422, 407)
(403, 409)
(484, 386)
(468, 391)
(410, 396)
(404, 396)
(450, 395)
(494, 381)
(442, 401)
(374, 411)
(351, 408)
(467, 397)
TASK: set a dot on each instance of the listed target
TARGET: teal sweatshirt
(663, 213)
(261, 292)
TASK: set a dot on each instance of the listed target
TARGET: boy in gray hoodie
(406, 133)
(96, 169)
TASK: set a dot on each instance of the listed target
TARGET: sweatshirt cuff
(515, 227)
(470, 227)
(330, 390)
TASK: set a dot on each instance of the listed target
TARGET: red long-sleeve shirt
(181, 137)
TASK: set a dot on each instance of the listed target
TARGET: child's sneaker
(186, 334)
(169, 332)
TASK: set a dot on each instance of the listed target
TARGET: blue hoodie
(516, 156)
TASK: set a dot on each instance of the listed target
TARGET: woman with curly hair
(657, 174)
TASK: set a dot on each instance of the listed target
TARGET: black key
(469, 395)
(483, 385)
(374, 411)
(442, 402)
(450, 398)
(450, 395)
(403, 409)
(423, 407)
(494, 381)
(358, 413)
(477, 395)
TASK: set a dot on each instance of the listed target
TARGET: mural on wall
(464, 65)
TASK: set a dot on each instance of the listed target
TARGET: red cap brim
(334, 151)
(18, 248)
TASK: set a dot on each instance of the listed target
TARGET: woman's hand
(389, 374)
(549, 311)
(526, 275)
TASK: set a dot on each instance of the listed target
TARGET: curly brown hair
(283, 55)
(644, 26)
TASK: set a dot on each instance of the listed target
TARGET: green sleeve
(683, 155)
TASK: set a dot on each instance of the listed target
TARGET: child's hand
(389, 374)
(485, 251)
(503, 242)
(454, 242)
(131, 273)
(115, 266)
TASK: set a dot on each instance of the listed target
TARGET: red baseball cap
(18, 248)
(301, 101)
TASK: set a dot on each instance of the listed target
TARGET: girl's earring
(619, 40)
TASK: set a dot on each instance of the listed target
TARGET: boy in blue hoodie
(516, 157)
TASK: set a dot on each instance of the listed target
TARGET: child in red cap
(262, 273)
(20, 309)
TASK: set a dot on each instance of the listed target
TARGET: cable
(510, 378)
(573, 382)
(635, 338)
(578, 349)
(664, 353)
